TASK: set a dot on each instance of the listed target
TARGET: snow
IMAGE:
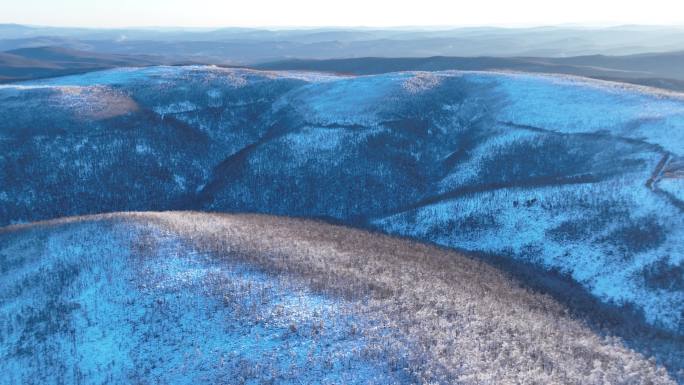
(470, 171)
(523, 232)
(176, 108)
(347, 101)
(331, 141)
(674, 186)
(94, 310)
(592, 148)
(574, 106)
(421, 82)
(142, 148)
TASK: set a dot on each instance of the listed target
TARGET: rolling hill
(202, 298)
(575, 180)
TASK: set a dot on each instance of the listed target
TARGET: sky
(352, 13)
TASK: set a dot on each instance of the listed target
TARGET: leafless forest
(437, 316)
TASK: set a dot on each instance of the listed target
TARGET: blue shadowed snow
(565, 173)
(108, 304)
(117, 76)
(580, 106)
(353, 101)
(567, 228)
(160, 75)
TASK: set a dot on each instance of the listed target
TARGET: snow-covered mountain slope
(191, 298)
(565, 174)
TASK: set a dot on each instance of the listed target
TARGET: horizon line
(445, 27)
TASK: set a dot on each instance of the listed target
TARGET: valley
(569, 185)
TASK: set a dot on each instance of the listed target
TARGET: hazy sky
(215, 13)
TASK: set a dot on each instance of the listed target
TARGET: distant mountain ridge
(645, 55)
(42, 62)
(663, 70)
(245, 46)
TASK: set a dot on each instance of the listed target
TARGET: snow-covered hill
(564, 174)
(191, 298)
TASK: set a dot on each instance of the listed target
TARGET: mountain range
(251, 45)
(575, 182)
(662, 70)
(342, 205)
